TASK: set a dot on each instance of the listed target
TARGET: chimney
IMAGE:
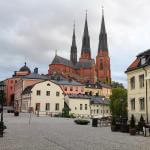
(36, 70)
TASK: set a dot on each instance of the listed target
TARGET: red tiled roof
(134, 65)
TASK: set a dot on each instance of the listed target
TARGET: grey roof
(36, 76)
(86, 38)
(27, 90)
(67, 82)
(103, 37)
(93, 99)
(60, 60)
(85, 64)
(78, 65)
(99, 100)
(98, 85)
(25, 68)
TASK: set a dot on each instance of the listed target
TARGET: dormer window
(143, 60)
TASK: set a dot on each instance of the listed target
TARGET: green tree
(115, 84)
(118, 102)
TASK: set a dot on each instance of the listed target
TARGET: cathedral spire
(73, 54)
(103, 35)
(86, 50)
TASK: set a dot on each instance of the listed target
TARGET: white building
(45, 97)
(139, 86)
(100, 107)
(88, 106)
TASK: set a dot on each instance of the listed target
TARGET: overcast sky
(34, 29)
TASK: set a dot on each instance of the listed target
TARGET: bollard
(94, 122)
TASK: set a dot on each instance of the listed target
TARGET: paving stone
(46, 133)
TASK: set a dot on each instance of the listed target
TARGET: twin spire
(86, 50)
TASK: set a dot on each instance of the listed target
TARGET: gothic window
(101, 65)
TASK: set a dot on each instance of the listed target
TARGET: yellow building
(98, 89)
(139, 86)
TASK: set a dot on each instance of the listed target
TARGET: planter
(132, 131)
(94, 122)
(16, 113)
(113, 128)
(82, 122)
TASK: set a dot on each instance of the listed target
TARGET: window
(38, 92)
(107, 111)
(11, 81)
(48, 84)
(48, 93)
(141, 80)
(133, 104)
(57, 93)
(132, 83)
(71, 88)
(11, 87)
(57, 106)
(47, 106)
(75, 108)
(80, 106)
(143, 60)
(101, 65)
(85, 106)
(142, 104)
(37, 106)
(76, 88)
(82, 89)
(97, 111)
(65, 88)
(15, 81)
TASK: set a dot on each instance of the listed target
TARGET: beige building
(87, 106)
(79, 105)
(139, 87)
(99, 107)
(44, 98)
(100, 89)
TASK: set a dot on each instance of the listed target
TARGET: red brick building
(85, 70)
(10, 84)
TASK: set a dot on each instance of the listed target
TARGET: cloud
(35, 29)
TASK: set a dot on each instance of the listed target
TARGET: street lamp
(103, 105)
(2, 127)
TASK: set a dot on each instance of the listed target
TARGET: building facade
(24, 82)
(138, 74)
(82, 105)
(85, 70)
(10, 84)
(45, 98)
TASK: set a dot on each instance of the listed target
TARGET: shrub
(132, 122)
(82, 122)
(113, 122)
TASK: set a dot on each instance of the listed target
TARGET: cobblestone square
(46, 133)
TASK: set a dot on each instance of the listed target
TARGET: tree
(118, 102)
(115, 84)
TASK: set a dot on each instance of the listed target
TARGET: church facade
(86, 69)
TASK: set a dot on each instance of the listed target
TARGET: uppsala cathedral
(86, 69)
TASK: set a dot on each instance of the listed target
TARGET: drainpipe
(146, 96)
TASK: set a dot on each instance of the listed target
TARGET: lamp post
(103, 105)
(2, 127)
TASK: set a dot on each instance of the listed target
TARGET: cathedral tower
(73, 54)
(86, 50)
(102, 58)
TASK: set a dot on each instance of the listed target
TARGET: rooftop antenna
(103, 10)
(56, 52)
